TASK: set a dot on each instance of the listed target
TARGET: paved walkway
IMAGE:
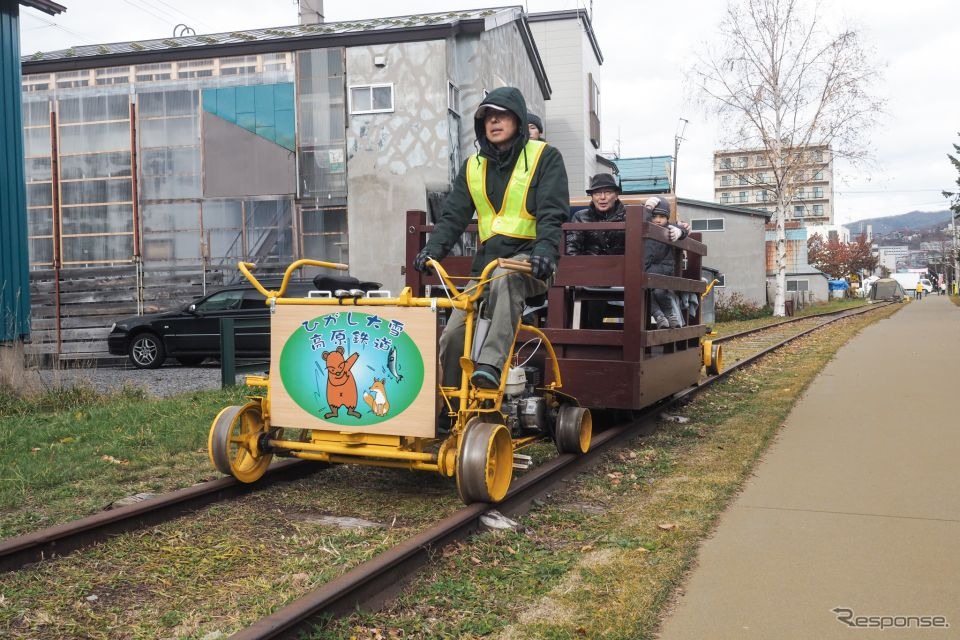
(856, 504)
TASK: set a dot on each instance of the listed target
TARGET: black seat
(325, 282)
(538, 300)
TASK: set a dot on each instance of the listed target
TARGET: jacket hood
(511, 99)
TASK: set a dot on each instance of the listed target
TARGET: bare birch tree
(780, 84)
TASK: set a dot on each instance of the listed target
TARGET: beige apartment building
(742, 177)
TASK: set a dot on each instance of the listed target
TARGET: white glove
(674, 233)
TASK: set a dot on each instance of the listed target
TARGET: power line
(196, 20)
(164, 19)
(869, 191)
(53, 24)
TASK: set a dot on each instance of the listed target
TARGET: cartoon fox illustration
(378, 400)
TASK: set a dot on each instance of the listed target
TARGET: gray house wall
(506, 64)
(738, 252)
(392, 157)
(569, 59)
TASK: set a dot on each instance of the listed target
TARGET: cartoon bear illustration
(341, 385)
(378, 400)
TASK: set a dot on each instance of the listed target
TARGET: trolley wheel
(712, 357)
(484, 462)
(232, 444)
(574, 429)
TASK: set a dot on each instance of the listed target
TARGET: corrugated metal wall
(14, 276)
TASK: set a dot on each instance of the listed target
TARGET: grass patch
(67, 454)
(213, 573)
(602, 559)
(736, 326)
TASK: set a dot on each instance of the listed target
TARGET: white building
(572, 59)
(742, 177)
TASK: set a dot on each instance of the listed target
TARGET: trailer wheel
(484, 462)
(574, 429)
(712, 357)
(232, 443)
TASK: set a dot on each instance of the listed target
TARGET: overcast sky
(647, 47)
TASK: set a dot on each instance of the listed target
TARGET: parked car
(192, 333)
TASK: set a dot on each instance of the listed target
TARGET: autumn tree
(780, 84)
(841, 259)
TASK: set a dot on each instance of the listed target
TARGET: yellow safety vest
(513, 219)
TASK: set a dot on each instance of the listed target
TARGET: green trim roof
(644, 175)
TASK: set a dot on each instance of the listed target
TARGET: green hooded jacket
(548, 198)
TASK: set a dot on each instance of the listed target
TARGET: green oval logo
(351, 368)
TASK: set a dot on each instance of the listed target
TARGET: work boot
(662, 322)
(674, 323)
(485, 376)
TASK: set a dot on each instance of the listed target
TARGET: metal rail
(79, 534)
(370, 584)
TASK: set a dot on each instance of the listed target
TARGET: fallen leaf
(511, 551)
(586, 547)
(113, 460)
(667, 526)
(475, 560)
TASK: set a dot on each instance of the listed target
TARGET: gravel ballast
(170, 380)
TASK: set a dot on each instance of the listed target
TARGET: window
(222, 300)
(760, 161)
(798, 285)
(594, 111)
(707, 224)
(72, 79)
(743, 162)
(724, 198)
(113, 75)
(818, 156)
(761, 196)
(238, 65)
(761, 178)
(817, 192)
(817, 175)
(798, 211)
(818, 209)
(801, 193)
(153, 72)
(725, 163)
(453, 97)
(371, 98)
(724, 181)
(743, 196)
(743, 179)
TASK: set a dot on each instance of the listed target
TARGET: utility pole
(677, 139)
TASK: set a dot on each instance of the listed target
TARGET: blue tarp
(838, 285)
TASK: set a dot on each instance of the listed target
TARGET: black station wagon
(192, 333)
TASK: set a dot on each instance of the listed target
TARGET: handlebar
(247, 267)
(484, 278)
(709, 287)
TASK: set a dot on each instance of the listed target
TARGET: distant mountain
(914, 222)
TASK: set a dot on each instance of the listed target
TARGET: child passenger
(664, 304)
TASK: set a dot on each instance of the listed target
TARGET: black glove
(420, 262)
(542, 267)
